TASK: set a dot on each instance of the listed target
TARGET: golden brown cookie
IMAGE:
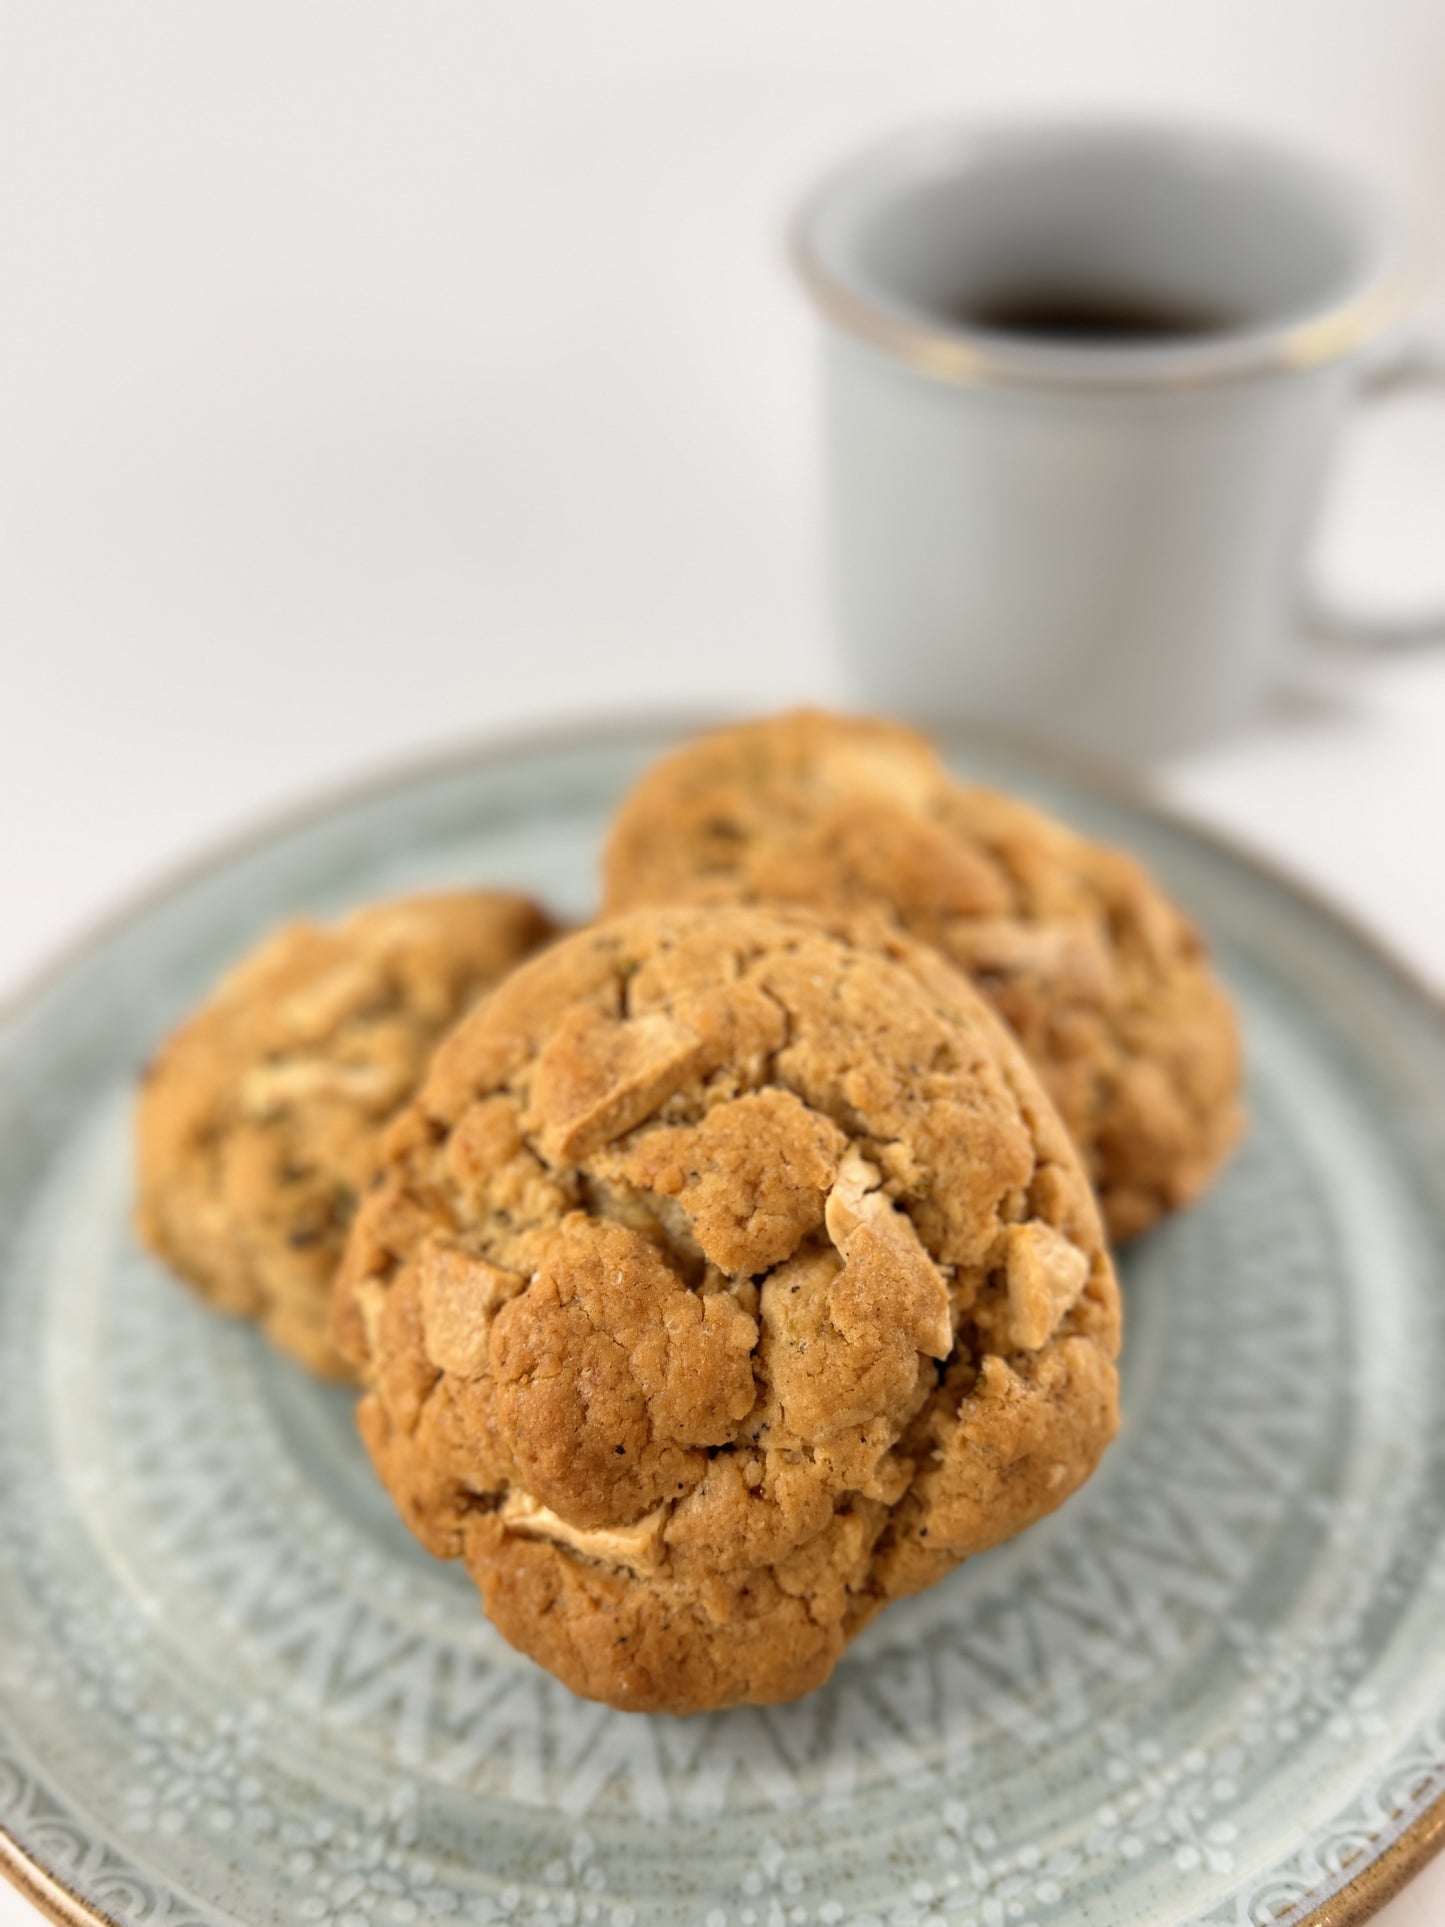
(728, 1279)
(1102, 980)
(258, 1124)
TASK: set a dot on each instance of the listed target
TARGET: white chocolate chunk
(267, 1088)
(868, 1231)
(637, 1547)
(460, 1296)
(315, 1009)
(597, 1078)
(1070, 955)
(1045, 1275)
(369, 1298)
(843, 1211)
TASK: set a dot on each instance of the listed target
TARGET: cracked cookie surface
(728, 1278)
(258, 1124)
(1102, 980)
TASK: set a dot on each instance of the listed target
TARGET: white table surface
(379, 376)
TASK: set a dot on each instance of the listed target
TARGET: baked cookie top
(727, 1278)
(258, 1121)
(1100, 977)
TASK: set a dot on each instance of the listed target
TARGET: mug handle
(1417, 362)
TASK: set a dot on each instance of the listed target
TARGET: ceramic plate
(1210, 1690)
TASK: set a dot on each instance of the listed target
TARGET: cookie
(728, 1278)
(259, 1121)
(1100, 977)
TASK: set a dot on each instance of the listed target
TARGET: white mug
(1082, 384)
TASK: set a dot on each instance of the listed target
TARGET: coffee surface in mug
(1100, 315)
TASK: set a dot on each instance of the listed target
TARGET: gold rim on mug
(966, 358)
(964, 361)
(1359, 1896)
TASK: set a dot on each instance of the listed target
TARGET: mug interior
(953, 231)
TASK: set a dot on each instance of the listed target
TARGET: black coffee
(1087, 316)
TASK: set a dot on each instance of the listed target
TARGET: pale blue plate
(1211, 1690)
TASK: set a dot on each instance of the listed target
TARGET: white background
(377, 376)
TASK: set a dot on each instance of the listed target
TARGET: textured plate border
(1360, 1895)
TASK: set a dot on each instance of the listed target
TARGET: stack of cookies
(723, 1270)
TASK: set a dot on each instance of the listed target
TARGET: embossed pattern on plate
(1209, 1691)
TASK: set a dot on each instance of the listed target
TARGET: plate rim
(1406, 1853)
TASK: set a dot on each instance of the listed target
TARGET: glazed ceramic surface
(1121, 520)
(1211, 1690)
